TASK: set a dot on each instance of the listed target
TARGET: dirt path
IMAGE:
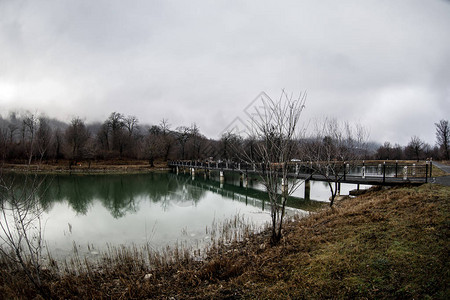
(444, 180)
(443, 167)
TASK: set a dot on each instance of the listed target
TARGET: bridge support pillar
(222, 177)
(307, 190)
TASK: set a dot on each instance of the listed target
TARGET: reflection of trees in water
(120, 194)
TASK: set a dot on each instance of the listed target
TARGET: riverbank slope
(389, 243)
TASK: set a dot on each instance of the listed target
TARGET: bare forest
(33, 138)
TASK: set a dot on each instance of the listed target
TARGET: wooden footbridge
(370, 173)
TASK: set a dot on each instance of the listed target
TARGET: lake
(90, 212)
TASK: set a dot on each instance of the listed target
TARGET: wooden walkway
(378, 173)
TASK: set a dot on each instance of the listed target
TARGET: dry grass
(385, 244)
(85, 167)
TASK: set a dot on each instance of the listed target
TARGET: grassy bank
(385, 244)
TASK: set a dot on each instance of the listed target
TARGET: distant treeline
(28, 138)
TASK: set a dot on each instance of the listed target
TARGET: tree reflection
(119, 194)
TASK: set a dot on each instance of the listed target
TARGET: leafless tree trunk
(443, 137)
(275, 127)
(43, 137)
(29, 124)
(166, 138)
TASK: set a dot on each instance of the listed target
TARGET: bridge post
(384, 171)
(426, 172)
(414, 170)
(177, 170)
(405, 172)
(345, 170)
(307, 190)
(222, 177)
(296, 169)
(431, 167)
(396, 168)
(363, 171)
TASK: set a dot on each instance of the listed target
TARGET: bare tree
(131, 124)
(153, 144)
(332, 150)
(115, 124)
(76, 137)
(57, 143)
(166, 138)
(384, 151)
(131, 136)
(183, 134)
(43, 137)
(443, 137)
(13, 126)
(197, 141)
(415, 147)
(21, 230)
(29, 130)
(230, 146)
(275, 126)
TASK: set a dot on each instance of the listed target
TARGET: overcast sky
(385, 64)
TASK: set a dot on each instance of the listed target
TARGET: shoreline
(84, 168)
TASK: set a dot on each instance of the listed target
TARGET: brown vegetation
(385, 244)
(98, 166)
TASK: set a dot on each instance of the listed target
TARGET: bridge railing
(342, 170)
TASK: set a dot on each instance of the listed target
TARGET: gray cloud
(385, 64)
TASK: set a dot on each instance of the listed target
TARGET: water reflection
(156, 208)
(118, 193)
